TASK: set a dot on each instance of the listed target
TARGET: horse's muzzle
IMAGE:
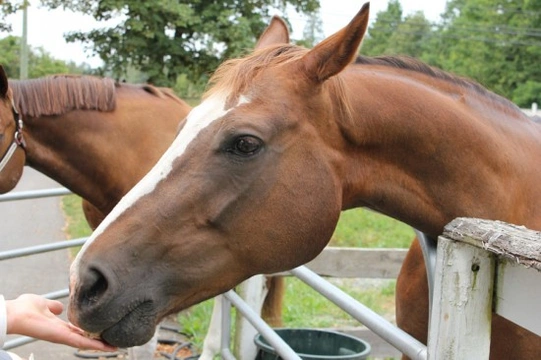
(101, 308)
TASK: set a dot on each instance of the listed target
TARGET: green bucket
(312, 344)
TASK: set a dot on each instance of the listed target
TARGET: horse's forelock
(56, 95)
(234, 76)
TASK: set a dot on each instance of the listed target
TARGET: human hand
(37, 317)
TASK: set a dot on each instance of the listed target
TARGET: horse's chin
(134, 329)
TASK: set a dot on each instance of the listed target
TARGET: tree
(496, 42)
(41, 63)
(383, 28)
(313, 30)
(10, 55)
(411, 36)
(165, 38)
(8, 8)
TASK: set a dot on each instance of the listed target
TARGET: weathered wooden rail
(483, 266)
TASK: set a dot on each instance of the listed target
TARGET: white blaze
(199, 118)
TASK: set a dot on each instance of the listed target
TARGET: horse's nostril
(94, 286)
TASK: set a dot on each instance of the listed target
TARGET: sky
(46, 28)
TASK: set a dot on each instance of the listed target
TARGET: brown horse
(284, 140)
(76, 128)
(11, 138)
(98, 138)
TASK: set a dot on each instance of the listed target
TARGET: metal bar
(34, 194)
(429, 247)
(23, 340)
(226, 326)
(379, 325)
(59, 294)
(20, 341)
(265, 330)
(38, 249)
(225, 352)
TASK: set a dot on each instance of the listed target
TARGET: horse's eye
(246, 145)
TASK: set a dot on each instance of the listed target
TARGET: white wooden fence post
(462, 308)
(253, 292)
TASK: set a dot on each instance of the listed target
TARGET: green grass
(365, 228)
(195, 322)
(76, 225)
(356, 228)
(314, 311)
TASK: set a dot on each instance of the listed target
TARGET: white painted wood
(508, 241)
(518, 250)
(253, 292)
(212, 342)
(518, 295)
(461, 312)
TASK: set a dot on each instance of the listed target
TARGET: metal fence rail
(38, 249)
(33, 250)
(232, 298)
(34, 194)
(392, 334)
(379, 325)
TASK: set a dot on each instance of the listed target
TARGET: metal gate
(376, 323)
(389, 332)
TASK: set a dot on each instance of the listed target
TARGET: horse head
(12, 155)
(251, 184)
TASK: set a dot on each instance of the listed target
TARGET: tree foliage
(165, 38)
(313, 30)
(40, 62)
(178, 43)
(495, 42)
(382, 29)
(7, 8)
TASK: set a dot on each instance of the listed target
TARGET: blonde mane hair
(236, 75)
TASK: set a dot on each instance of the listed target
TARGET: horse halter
(18, 139)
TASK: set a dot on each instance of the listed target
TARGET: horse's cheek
(319, 209)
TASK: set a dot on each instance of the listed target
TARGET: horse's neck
(95, 156)
(426, 156)
(60, 148)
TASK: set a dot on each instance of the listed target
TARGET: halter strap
(18, 139)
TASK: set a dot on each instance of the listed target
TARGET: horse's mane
(164, 92)
(411, 64)
(58, 94)
(236, 74)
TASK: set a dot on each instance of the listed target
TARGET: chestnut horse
(11, 138)
(98, 138)
(283, 141)
(95, 136)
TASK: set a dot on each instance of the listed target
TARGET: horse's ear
(276, 33)
(336, 52)
(3, 82)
